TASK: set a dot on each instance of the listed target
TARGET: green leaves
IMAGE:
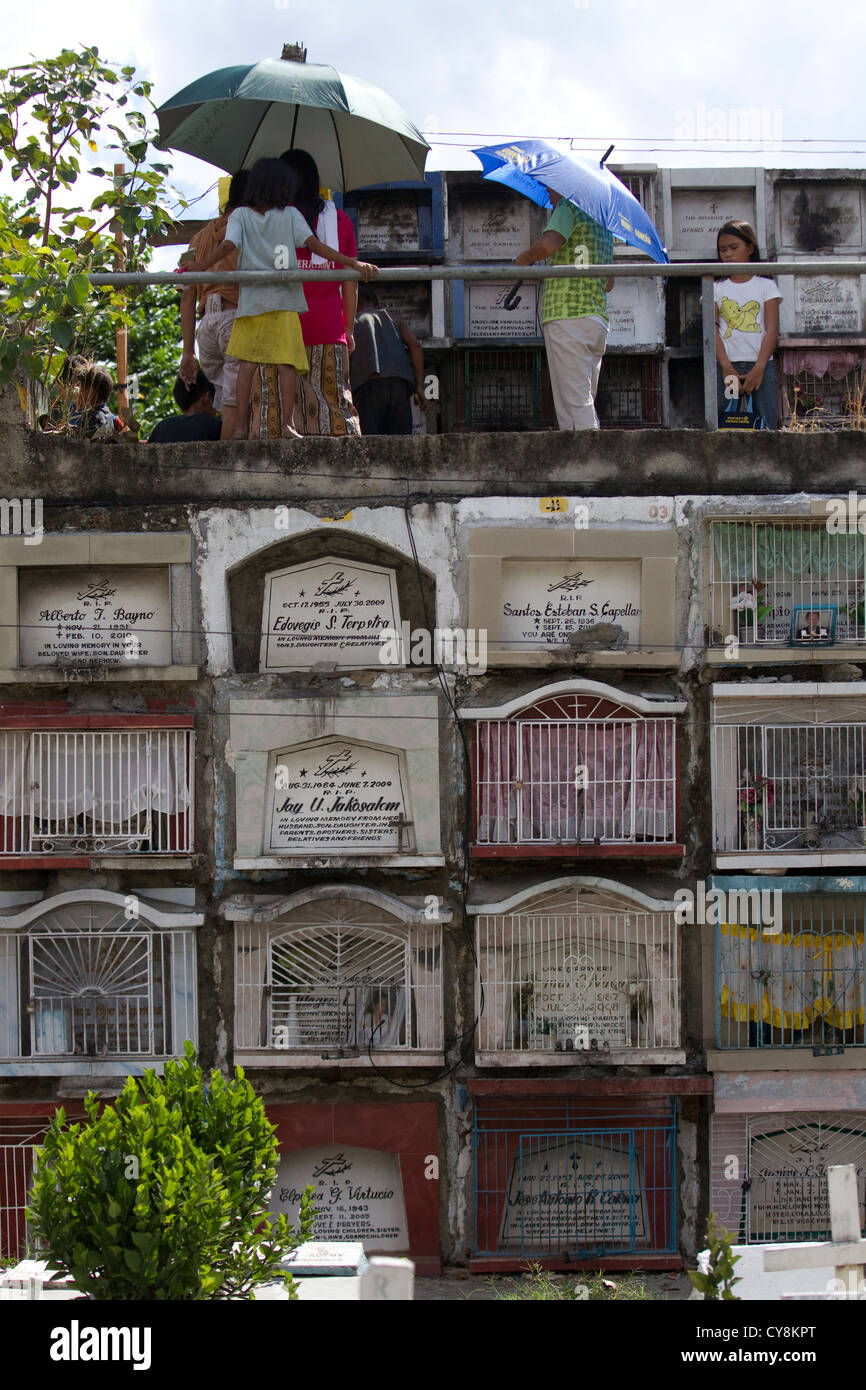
(77, 290)
(718, 1282)
(54, 114)
(192, 1224)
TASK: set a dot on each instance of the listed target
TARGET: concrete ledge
(770, 1059)
(783, 656)
(345, 861)
(337, 471)
(567, 658)
(304, 1061)
(51, 675)
(615, 1057)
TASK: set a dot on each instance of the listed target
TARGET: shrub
(163, 1194)
(720, 1279)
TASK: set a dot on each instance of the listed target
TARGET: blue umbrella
(528, 165)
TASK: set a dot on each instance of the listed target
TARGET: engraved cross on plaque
(400, 823)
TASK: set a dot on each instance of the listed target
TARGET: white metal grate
(565, 981)
(573, 781)
(86, 982)
(789, 787)
(104, 792)
(342, 976)
(19, 1140)
(768, 577)
(785, 1193)
(800, 986)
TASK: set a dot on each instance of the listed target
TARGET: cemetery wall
(393, 1102)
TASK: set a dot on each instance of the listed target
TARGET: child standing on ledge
(267, 327)
(747, 327)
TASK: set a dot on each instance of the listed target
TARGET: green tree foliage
(58, 117)
(154, 348)
(720, 1279)
(164, 1193)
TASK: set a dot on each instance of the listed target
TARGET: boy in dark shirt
(199, 420)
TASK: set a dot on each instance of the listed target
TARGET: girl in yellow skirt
(267, 327)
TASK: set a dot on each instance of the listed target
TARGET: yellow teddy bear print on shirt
(743, 317)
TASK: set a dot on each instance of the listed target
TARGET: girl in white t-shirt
(747, 327)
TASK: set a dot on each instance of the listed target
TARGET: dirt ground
(457, 1286)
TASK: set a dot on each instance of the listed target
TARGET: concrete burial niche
(403, 588)
(336, 764)
(117, 601)
(541, 595)
(375, 1171)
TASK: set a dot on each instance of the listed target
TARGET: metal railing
(785, 1193)
(107, 792)
(594, 983)
(19, 1141)
(706, 272)
(573, 782)
(107, 994)
(342, 986)
(566, 1179)
(768, 576)
(796, 788)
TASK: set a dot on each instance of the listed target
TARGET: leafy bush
(163, 1194)
(60, 119)
(720, 1279)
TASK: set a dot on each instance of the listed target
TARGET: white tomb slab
(338, 796)
(387, 225)
(636, 312)
(544, 602)
(698, 214)
(816, 216)
(328, 610)
(117, 616)
(358, 1195)
(555, 1198)
(495, 231)
(486, 316)
(757, 1285)
(827, 304)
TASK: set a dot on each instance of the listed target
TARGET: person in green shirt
(574, 312)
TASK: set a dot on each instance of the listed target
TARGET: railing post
(708, 325)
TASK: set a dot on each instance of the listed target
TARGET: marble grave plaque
(788, 1173)
(387, 225)
(113, 616)
(486, 317)
(544, 601)
(327, 610)
(827, 304)
(633, 308)
(358, 1194)
(816, 217)
(697, 215)
(574, 1192)
(580, 998)
(338, 796)
(495, 231)
(407, 301)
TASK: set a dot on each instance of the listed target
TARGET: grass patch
(541, 1285)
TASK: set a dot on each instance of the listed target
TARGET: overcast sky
(660, 80)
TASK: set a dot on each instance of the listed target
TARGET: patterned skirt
(323, 399)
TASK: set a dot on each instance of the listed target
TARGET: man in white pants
(574, 312)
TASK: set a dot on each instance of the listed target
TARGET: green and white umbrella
(355, 132)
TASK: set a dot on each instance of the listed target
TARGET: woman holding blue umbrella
(574, 314)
